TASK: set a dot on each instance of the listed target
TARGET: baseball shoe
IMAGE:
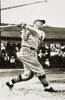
(50, 90)
(9, 85)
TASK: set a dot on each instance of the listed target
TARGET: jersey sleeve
(43, 35)
(24, 34)
(36, 32)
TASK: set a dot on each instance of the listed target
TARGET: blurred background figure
(6, 60)
(40, 54)
(3, 49)
(47, 63)
(12, 62)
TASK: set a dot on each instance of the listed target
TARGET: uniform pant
(31, 66)
(30, 61)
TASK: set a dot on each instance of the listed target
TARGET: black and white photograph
(32, 49)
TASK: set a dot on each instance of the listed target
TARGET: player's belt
(31, 48)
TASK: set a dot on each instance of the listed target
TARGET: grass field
(32, 89)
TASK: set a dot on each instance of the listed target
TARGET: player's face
(39, 24)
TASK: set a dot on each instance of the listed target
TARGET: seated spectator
(8, 47)
(2, 60)
(41, 57)
(12, 62)
(46, 54)
(63, 48)
(17, 49)
(53, 53)
(63, 59)
(3, 47)
(19, 45)
(7, 60)
(47, 63)
(13, 46)
(40, 54)
(46, 46)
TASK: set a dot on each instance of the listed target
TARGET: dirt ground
(32, 89)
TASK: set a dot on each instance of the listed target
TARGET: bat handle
(21, 25)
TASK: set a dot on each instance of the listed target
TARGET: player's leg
(45, 83)
(27, 75)
(28, 58)
(38, 70)
(42, 77)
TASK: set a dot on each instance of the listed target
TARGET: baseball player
(31, 39)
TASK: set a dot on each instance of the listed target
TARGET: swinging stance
(31, 39)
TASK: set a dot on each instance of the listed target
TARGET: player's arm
(25, 34)
(36, 31)
(30, 28)
(43, 35)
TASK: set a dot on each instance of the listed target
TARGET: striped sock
(43, 80)
(17, 79)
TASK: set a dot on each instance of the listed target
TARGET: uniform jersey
(32, 38)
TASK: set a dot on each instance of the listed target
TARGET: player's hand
(21, 25)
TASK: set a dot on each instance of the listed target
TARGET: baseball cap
(43, 21)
